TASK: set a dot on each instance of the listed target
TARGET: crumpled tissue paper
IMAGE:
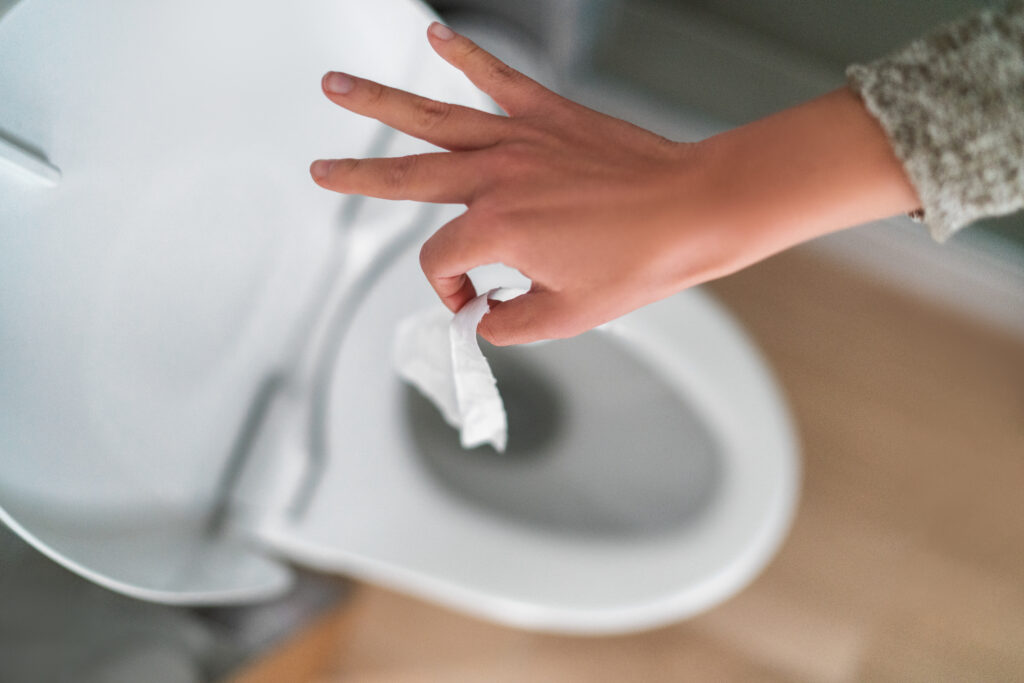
(439, 355)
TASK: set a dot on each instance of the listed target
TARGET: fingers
(451, 252)
(458, 291)
(450, 126)
(527, 318)
(444, 177)
(464, 244)
(514, 92)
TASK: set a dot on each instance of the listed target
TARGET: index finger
(450, 126)
(514, 92)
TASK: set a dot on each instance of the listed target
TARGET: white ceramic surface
(146, 296)
(380, 515)
(183, 258)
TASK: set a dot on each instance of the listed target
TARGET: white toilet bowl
(196, 383)
(651, 471)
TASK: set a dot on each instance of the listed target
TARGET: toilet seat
(168, 425)
(426, 541)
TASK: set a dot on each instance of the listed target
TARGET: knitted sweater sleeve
(952, 106)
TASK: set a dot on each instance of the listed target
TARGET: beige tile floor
(906, 559)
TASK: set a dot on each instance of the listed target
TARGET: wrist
(816, 168)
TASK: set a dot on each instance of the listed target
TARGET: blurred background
(903, 360)
(718, 62)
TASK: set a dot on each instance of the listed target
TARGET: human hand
(601, 215)
(581, 203)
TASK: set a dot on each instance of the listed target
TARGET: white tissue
(439, 355)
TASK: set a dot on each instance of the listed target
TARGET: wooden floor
(906, 559)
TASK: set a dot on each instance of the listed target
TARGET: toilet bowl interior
(589, 425)
(651, 470)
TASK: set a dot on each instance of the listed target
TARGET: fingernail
(440, 31)
(320, 168)
(338, 83)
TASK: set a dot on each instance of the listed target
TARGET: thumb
(527, 318)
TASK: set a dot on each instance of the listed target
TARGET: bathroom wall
(835, 32)
(737, 60)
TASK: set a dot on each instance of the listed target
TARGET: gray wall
(738, 60)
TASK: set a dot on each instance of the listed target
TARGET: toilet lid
(147, 294)
(651, 470)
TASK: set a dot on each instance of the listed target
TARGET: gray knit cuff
(952, 105)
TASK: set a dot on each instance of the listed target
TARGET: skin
(605, 217)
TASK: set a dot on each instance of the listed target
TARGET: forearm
(603, 216)
(816, 168)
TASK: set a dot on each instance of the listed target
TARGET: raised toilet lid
(147, 296)
(651, 470)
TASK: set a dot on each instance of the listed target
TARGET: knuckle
(398, 172)
(375, 92)
(433, 251)
(501, 72)
(427, 257)
(431, 113)
(511, 160)
(471, 51)
(492, 67)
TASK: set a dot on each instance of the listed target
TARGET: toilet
(196, 381)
